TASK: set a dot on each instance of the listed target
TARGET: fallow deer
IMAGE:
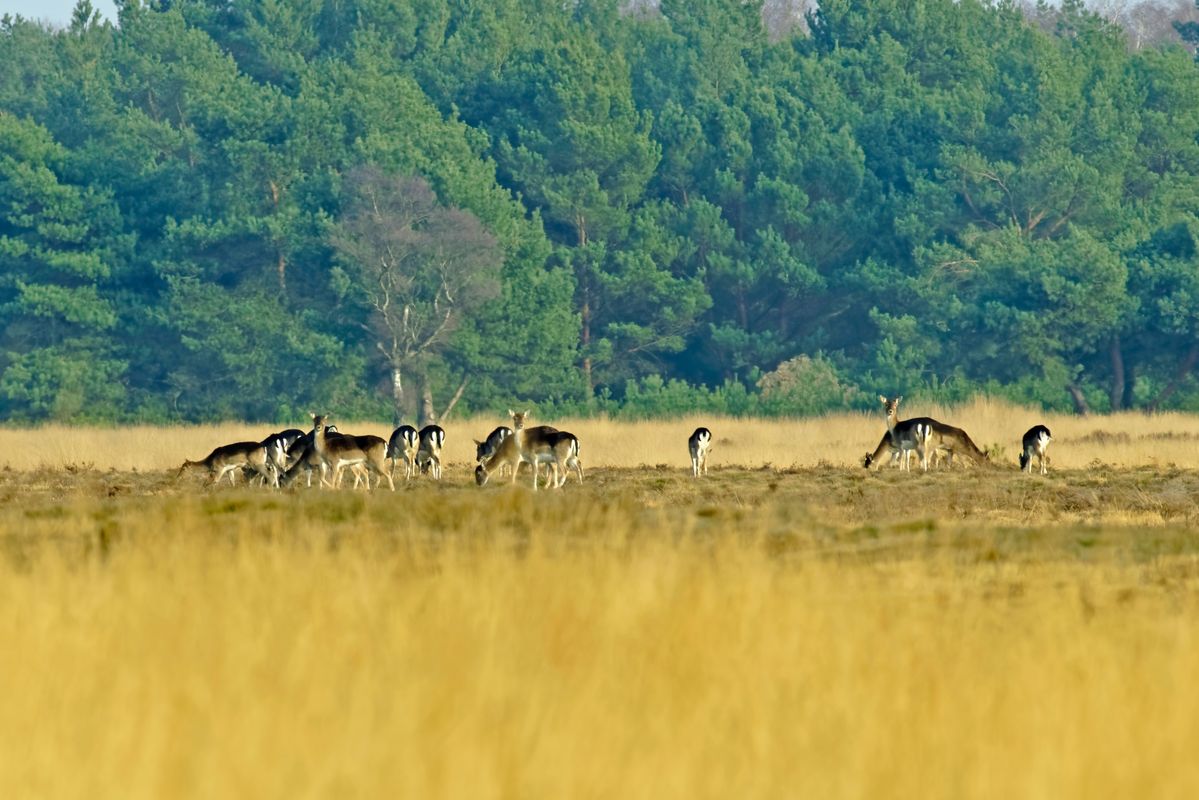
(564, 448)
(276, 446)
(428, 451)
(505, 454)
(1035, 442)
(344, 450)
(489, 446)
(928, 435)
(544, 444)
(229, 459)
(402, 446)
(698, 445)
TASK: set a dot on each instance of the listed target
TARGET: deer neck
(318, 439)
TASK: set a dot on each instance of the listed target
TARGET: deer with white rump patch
(698, 444)
(1035, 443)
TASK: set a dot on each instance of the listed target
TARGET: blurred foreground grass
(815, 632)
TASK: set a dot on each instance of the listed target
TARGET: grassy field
(790, 626)
(1123, 440)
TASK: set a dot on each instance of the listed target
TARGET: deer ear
(511, 413)
(882, 398)
(897, 399)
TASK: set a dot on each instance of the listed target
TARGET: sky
(57, 12)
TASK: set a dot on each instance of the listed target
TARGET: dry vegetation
(1123, 440)
(782, 628)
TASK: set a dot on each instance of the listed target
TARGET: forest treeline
(215, 210)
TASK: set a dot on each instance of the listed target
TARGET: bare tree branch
(420, 266)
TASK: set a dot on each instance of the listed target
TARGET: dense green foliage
(213, 210)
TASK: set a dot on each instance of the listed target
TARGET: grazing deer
(402, 445)
(428, 451)
(698, 444)
(926, 435)
(505, 455)
(229, 459)
(1035, 442)
(559, 450)
(343, 450)
(904, 451)
(489, 446)
(309, 461)
(953, 441)
(885, 447)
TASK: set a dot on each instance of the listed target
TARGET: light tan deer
(231, 459)
(558, 450)
(505, 454)
(543, 444)
(565, 448)
(488, 447)
(344, 450)
(309, 461)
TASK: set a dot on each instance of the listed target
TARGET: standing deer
(926, 435)
(698, 445)
(565, 449)
(402, 446)
(1035, 442)
(343, 450)
(544, 444)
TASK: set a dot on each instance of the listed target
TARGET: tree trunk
(397, 395)
(1183, 369)
(281, 271)
(586, 342)
(1080, 403)
(1130, 383)
(1117, 388)
(581, 228)
(427, 414)
(454, 400)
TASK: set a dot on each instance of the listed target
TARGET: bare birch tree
(421, 267)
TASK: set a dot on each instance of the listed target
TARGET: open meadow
(790, 625)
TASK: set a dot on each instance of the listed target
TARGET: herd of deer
(283, 457)
(929, 439)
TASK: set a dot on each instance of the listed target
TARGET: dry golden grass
(786, 631)
(1123, 440)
